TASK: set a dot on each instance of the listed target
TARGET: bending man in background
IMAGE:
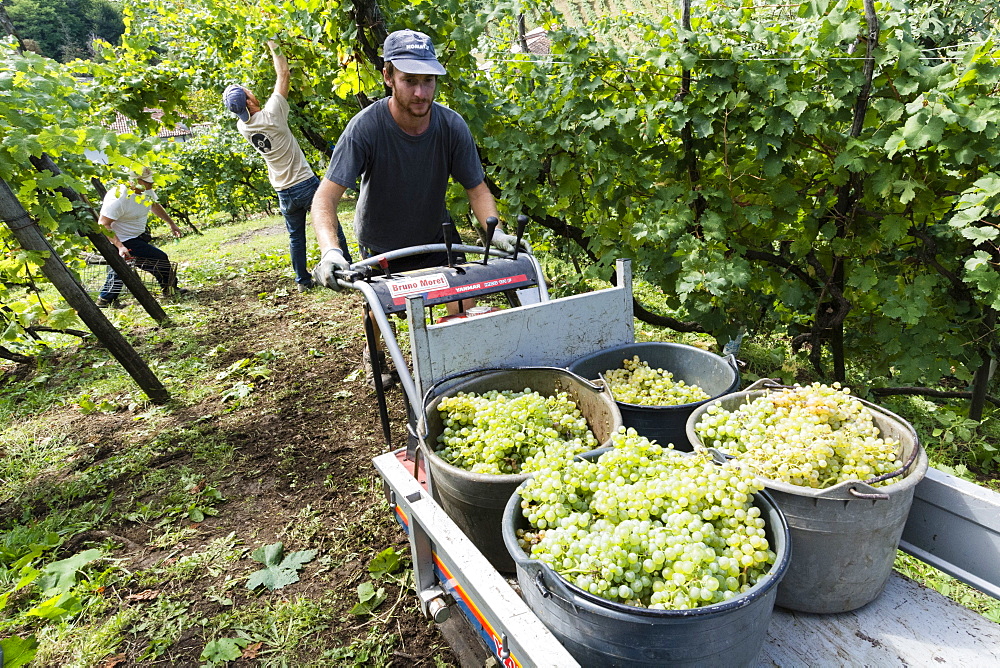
(125, 211)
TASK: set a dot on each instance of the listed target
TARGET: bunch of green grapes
(648, 526)
(635, 382)
(814, 436)
(502, 432)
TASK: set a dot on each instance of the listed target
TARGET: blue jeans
(294, 203)
(147, 257)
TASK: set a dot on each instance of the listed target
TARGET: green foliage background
(738, 162)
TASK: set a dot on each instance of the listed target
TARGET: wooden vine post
(28, 234)
(981, 379)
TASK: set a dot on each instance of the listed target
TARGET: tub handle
(863, 495)
(735, 363)
(765, 384)
(604, 386)
(556, 589)
(540, 583)
(913, 455)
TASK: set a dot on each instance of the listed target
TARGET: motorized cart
(906, 625)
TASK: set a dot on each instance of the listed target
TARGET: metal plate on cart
(439, 285)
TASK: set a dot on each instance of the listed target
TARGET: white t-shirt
(268, 132)
(128, 210)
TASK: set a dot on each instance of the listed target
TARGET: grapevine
(815, 436)
(504, 432)
(635, 382)
(648, 526)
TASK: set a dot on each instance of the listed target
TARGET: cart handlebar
(347, 278)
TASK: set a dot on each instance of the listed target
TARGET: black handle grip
(449, 228)
(491, 227)
(522, 222)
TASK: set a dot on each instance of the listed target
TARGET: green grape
(648, 526)
(636, 383)
(814, 436)
(504, 432)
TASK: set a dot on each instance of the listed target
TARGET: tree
(217, 172)
(45, 111)
(64, 29)
(805, 209)
(29, 236)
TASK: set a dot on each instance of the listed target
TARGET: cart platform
(953, 525)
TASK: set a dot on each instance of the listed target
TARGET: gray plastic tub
(476, 501)
(716, 375)
(599, 633)
(844, 545)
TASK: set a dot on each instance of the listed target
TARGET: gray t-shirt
(403, 179)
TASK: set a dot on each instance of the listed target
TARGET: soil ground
(301, 473)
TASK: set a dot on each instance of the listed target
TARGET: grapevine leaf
(58, 606)
(366, 591)
(60, 576)
(224, 649)
(387, 561)
(18, 651)
(280, 570)
(369, 598)
(979, 235)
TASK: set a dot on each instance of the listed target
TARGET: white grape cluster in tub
(648, 526)
(505, 432)
(635, 382)
(813, 436)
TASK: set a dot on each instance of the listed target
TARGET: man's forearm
(106, 222)
(161, 213)
(325, 225)
(324, 215)
(282, 80)
(482, 203)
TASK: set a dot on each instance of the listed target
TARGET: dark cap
(235, 99)
(411, 52)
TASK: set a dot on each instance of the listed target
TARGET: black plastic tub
(716, 375)
(600, 633)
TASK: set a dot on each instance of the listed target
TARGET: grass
(958, 591)
(67, 488)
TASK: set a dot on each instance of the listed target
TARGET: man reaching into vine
(266, 128)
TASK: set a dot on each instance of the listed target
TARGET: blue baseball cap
(235, 99)
(411, 52)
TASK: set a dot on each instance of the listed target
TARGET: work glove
(506, 242)
(331, 261)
